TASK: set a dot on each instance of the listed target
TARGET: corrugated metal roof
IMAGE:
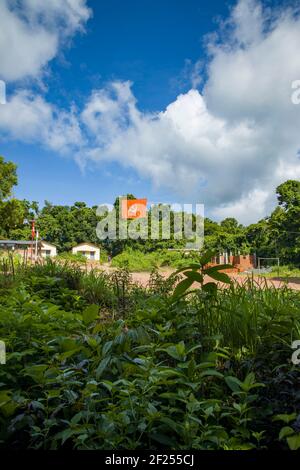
(17, 242)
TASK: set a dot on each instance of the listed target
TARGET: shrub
(75, 257)
(95, 362)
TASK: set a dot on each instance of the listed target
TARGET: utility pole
(36, 246)
(32, 237)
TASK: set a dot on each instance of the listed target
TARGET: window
(92, 255)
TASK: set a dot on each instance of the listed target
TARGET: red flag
(33, 229)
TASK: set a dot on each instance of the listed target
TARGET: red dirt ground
(143, 278)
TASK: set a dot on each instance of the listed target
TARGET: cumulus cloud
(229, 145)
(176, 148)
(29, 118)
(31, 32)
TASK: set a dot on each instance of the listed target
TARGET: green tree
(288, 194)
(12, 211)
(8, 178)
(230, 223)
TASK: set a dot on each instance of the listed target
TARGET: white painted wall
(91, 252)
(48, 250)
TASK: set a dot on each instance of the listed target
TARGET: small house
(90, 251)
(48, 250)
(25, 248)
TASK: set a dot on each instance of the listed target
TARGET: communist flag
(133, 208)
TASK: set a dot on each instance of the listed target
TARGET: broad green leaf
(182, 287)
(64, 435)
(106, 347)
(211, 373)
(172, 424)
(90, 314)
(177, 351)
(233, 383)
(102, 366)
(294, 442)
(36, 372)
(92, 342)
(194, 348)
(68, 344)
(194, 276)
(218, 276)
(249, 383)
(286, 418)
(218, 267)
(286, 431)
(7, 405)
(186, 268)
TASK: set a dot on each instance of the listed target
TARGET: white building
(47, 249)
(90, 251)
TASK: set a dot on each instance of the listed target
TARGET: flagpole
(32, 238)
(36, 246)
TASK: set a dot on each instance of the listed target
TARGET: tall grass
(285, 272)
(242, 317)
(249, 316)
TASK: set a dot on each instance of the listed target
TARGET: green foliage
(195, 274)
(136, 260)
(289, 194)
(65, 226)
(275, 236)
(291, 434)
(8, 178)
(69, 256)
(286, 272)
(279, 234)
(95, 362)
(12, 211)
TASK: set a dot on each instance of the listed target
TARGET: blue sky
(127, 96)
(146, 42)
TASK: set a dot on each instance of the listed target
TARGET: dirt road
(143, 278)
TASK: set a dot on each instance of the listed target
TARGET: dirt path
(143, 278)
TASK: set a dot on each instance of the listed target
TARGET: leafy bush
(288, 271)
(136, 260)
(95, 362)
(75, 257)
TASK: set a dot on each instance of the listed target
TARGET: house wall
(87, 250)
(243, 262)
(47, 247)
(240, 263)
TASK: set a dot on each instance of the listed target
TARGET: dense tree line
(277, 235)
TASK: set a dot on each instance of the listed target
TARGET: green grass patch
(136, 260)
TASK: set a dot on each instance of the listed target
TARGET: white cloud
(247, 208)
(30, 118)
(31, 32)
(229, 146)
(176, 148)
